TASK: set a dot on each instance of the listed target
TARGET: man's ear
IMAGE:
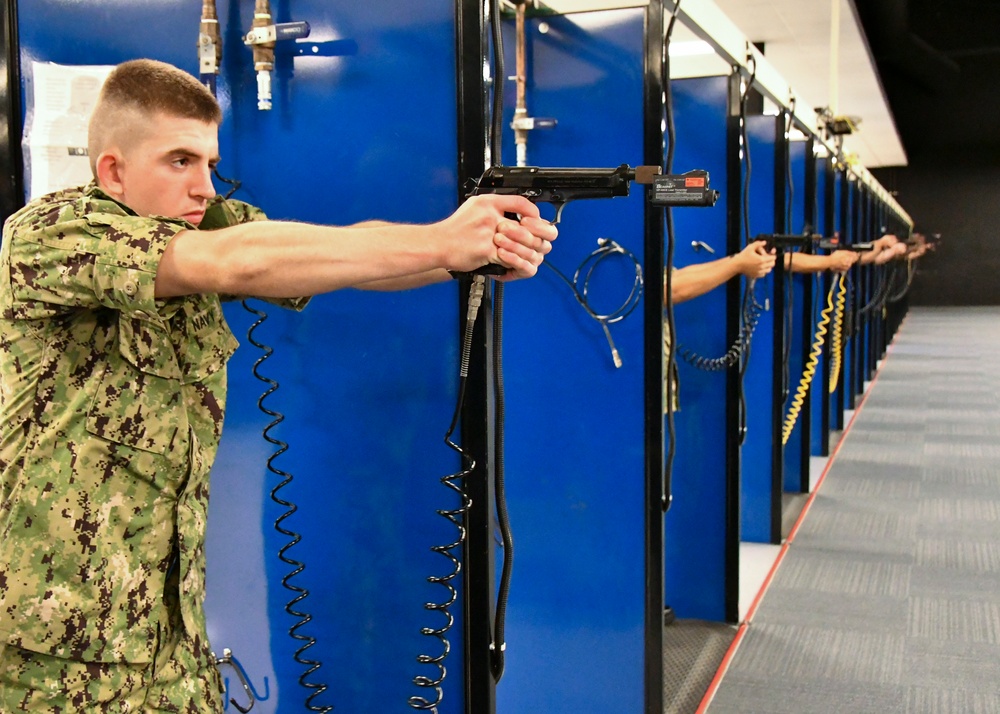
(109, 168)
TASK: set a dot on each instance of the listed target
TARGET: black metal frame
(734, 300)
(829, 224)
(477, 420)
(778, 338)
(12, 182)
(807, 326)
(654, 41)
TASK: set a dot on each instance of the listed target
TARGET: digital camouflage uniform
(111, 409)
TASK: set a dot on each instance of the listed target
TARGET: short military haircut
(137, 90)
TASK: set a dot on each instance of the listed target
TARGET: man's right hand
(480, 232)
(755, 260)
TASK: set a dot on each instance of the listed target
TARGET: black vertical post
(829, 225)
(734, 302)
(653, 274)
(780, 302)
(808, 326)
(12, 178)
(857, 369)
(477, 418)
(845, 237)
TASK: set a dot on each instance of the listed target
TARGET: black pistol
(786, 241)
(557, 186)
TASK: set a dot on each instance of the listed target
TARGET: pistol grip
(488, 269)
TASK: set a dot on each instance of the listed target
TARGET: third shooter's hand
(755, 260)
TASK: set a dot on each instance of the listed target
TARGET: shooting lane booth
(384, 457)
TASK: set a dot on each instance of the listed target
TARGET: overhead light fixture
(691, 48)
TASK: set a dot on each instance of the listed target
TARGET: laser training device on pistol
(834, 244)
(557, 186)
(690, 189)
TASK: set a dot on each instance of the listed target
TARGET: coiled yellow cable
(810, 370)
(836, 346)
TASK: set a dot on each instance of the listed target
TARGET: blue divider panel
(696, 522)
(797, 322)
(368, 381)
(759, 387)
(575, 439)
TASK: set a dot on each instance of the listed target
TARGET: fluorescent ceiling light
(691, 48)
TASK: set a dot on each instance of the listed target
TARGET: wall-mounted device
(261, 38)
(690, 189)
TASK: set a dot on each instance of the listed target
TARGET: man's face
(168, 172)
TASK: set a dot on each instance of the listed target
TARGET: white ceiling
(797, 41)
(797, 37)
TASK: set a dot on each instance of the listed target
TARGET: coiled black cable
(300, 593)
(739, 351)
(456, 517)
(749, 316)
(580, 285)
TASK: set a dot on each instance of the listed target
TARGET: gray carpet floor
(888, 599)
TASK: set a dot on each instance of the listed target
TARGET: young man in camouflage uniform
(113, 348)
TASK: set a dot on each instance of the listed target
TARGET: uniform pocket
(138, 402)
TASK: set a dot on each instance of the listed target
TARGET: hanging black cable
(455, 516)
(668, 298)
(499, 644)
(455, 481)
(580, 285)
(751, 307)
(789, 286)
(299, 593)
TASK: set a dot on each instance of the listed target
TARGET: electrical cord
(606, 248)
(668, 298)
(455, 481)
(910, 272)
(836, 336)
(749, 316)
(300, 593)
(235, 184)
(498, 646)
(749, 297)
(810, 370)
(751, 309)
(455, 516)
(787, 274)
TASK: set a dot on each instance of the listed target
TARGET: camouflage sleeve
(98, 260)
(229, 212)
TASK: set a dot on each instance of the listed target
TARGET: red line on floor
(744, 626)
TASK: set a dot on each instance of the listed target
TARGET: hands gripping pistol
(557, 186)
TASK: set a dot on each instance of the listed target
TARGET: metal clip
(227, 658)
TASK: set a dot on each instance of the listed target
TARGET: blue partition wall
(367, 381)
(696, 528)
(574, 423)
(799, 321)
(760, 511)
